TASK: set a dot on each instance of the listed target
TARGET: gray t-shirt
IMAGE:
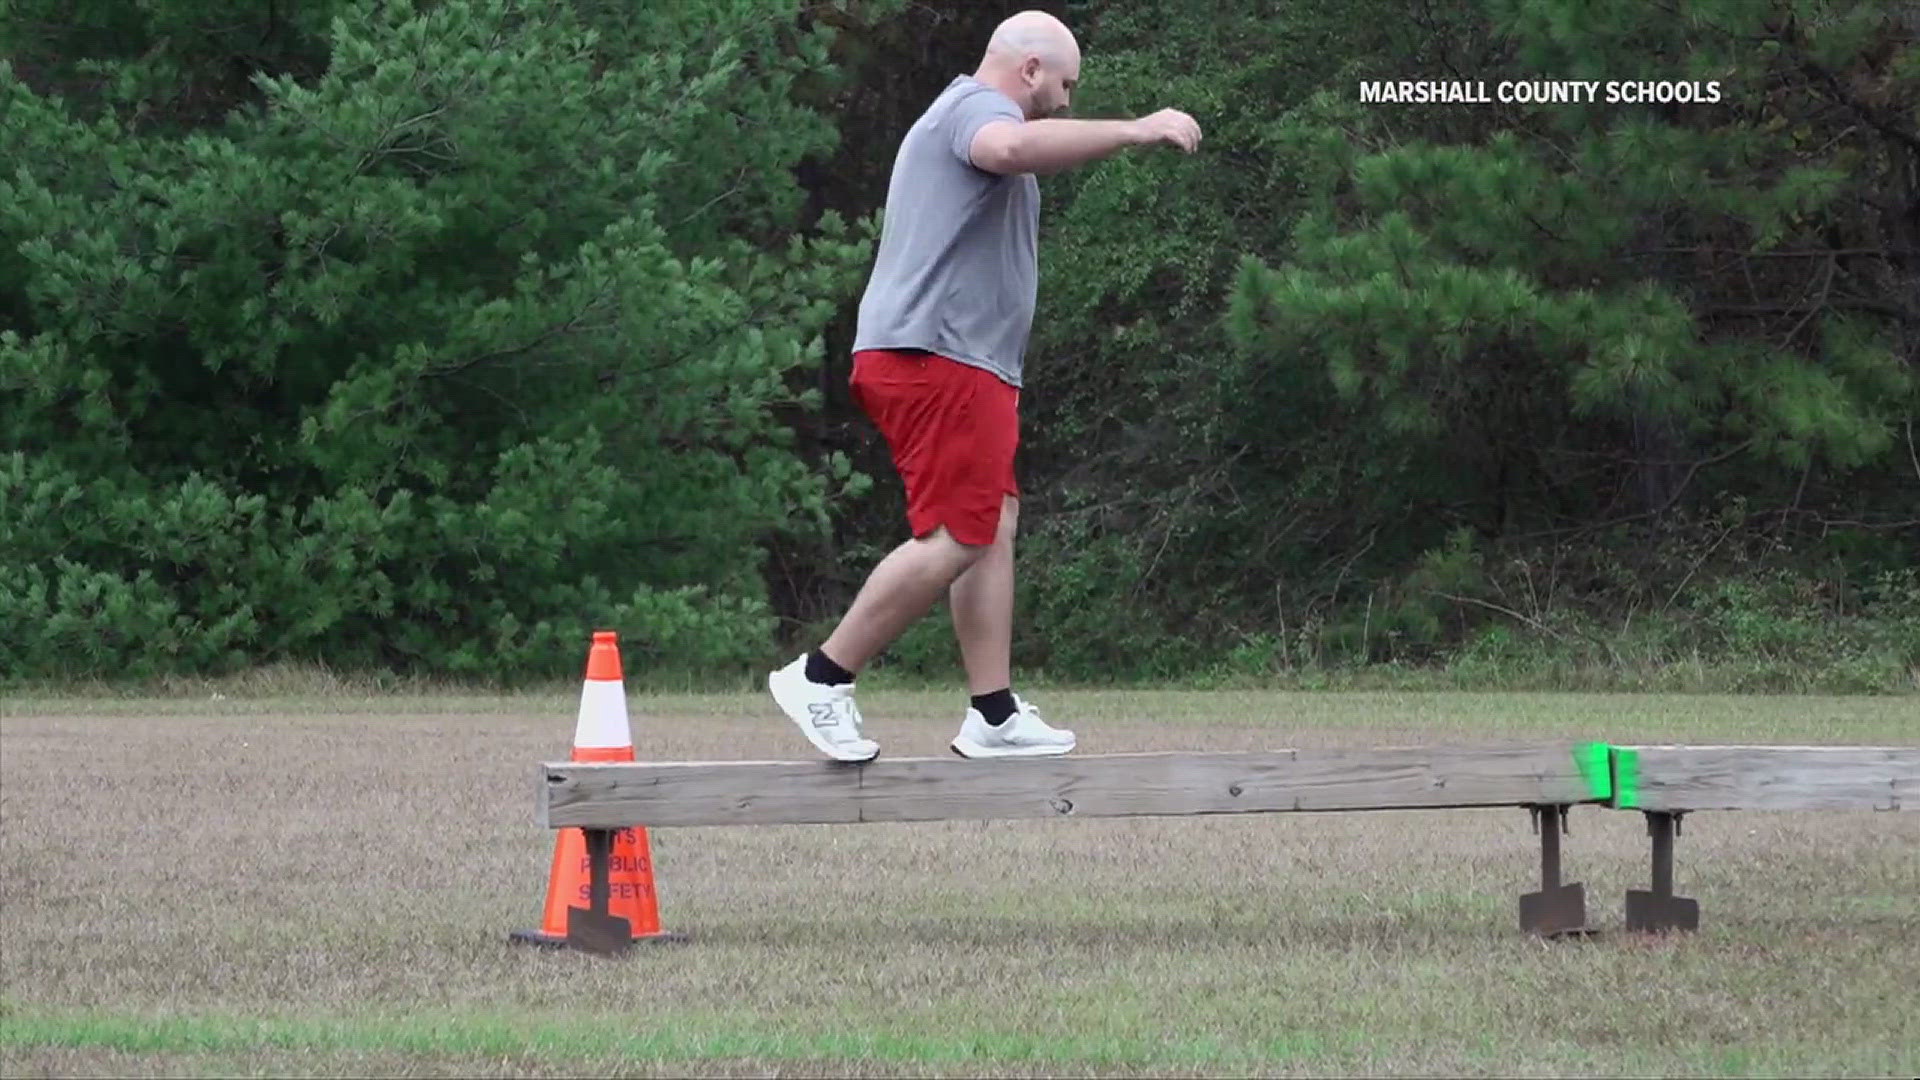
(958, 266)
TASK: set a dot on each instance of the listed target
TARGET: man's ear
(1030, 69)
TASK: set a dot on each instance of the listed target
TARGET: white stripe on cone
(603, 716)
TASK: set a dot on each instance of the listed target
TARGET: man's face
(1050, 85)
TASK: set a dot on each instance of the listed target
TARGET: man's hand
(1171, 127)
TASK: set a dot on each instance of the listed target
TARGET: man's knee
(963, 554)
(952, 551)
(1003, 529)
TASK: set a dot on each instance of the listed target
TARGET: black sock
(996, 707)
(824, 671)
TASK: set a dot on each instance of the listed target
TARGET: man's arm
(1050, 146)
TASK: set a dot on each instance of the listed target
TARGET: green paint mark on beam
(1592, 761)
(1626, 778)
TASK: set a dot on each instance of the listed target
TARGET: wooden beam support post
(1657, 910)
(1557, 910)
(594, 929)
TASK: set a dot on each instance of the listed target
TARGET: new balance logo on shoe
(826, 715)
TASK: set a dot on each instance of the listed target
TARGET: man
(937, 367)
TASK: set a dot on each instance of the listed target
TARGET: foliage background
(424, 337)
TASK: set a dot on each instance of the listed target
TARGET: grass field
(325, 886)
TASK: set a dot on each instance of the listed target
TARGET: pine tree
(456, 330)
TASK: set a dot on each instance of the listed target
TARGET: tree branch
(1695, 568)
(1892, 311)
(1612, 656)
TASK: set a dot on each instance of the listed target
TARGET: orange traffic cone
(601, 734)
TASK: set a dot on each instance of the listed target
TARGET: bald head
(1033, 33)
(1033, 59)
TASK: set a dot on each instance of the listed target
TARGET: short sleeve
(975, 111)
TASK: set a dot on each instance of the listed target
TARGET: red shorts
(953, 430)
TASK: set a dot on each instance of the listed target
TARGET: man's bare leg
(981, 600)
(998, 723)
(899, 591)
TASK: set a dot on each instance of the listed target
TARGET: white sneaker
(1023, 735)
(826, 715)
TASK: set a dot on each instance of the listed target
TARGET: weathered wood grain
(1682, 778)
(1111, 785)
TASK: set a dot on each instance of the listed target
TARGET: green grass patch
(625, 1037)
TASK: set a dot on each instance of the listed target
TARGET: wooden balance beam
(1545, 779)
(1668, 782)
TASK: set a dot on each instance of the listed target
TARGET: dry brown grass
(325, 887)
